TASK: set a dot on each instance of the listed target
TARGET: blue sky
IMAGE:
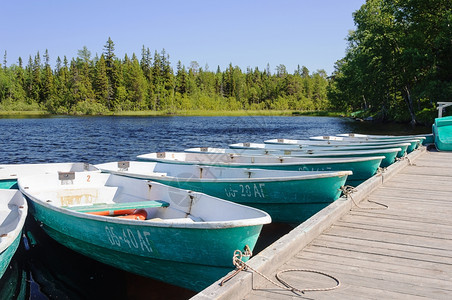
(245, 33)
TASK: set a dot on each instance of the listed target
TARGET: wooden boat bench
(119, 206)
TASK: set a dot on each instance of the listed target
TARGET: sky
(245, 33)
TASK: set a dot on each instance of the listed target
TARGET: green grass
(25, 113)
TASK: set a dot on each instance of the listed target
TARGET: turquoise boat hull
(389, 157)
(295, 148)
(414, 144)
(7, 255)
(156, 252)
(442, 132)
(362, 168)
(285, 201)
(8, 184)
(389, 154)
(429, 139)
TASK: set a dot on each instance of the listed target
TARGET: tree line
(86, 85)
(398, 63)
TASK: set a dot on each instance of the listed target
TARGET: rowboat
(344, 143)
(442, 132)
(389, 153)
(362, 167)
(288, 196)
(425, 138)
(290, 146)
(10, 172)
(415, 143)
(13, 212)
(177, 236)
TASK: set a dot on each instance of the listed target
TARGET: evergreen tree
(101, 85)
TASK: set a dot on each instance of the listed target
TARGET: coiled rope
(241, 265)
(348, 190)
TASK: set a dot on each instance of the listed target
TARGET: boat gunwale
(299, 147)
(302, 153)
(22, 211)
(303, 161)
(347, 143)
(262, 220)
(318, 175)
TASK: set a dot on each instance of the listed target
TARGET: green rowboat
(390, 154)
(13, 212)
(328, 141)
(425, 138)
(288, 196)
(177, 236)
(362, 167)
(292, 146)
(442, 132)
(415, 142)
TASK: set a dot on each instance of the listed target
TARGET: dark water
(50, 271)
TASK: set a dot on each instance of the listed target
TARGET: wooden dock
(403, 251)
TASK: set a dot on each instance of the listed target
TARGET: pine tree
(101, 85)
(112, 72)
(36, 79)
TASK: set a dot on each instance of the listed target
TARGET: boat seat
(173, 220)
(159, 174)
(119, 206)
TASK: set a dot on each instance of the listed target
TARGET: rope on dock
(348, 190)
(241, 265)
(407, 158)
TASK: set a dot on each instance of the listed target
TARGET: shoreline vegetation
(204, 113)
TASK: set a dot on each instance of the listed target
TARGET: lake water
(43, 269)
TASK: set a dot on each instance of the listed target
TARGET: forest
(106, 84)
(397, 66)
(398, 63)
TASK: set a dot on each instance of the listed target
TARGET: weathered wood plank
(428, 199)
(360, 244)
(410, 216)
(388, 221)
(392, 236)
(404, 251)
(432, 231)
(399, 257)
(407, 192)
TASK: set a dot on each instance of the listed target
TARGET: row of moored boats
(179, 216)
